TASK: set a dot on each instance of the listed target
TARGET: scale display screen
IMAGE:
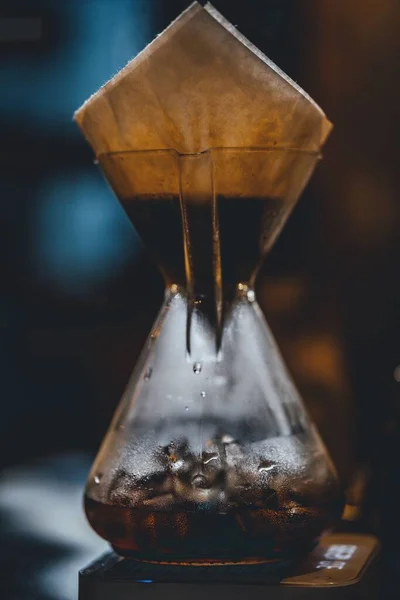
(337, 561)
(336, 556)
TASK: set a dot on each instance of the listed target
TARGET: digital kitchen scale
(342, 566)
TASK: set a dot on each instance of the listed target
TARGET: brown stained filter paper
(200, 84)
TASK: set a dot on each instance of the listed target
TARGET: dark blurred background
(79, 295)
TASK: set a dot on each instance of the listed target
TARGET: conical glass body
(211, 455)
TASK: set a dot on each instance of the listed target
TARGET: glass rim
(218, 149)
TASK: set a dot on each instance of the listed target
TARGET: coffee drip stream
(211, 455)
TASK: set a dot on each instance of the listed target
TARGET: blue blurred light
(82, 235)
(102, 37)
(145, 581)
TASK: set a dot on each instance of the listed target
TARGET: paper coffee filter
(201, 84)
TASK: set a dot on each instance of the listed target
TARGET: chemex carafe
(211, 455)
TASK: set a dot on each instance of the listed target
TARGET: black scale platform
(343, 566)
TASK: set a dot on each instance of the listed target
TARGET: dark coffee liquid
(239, 534)
(223, 240)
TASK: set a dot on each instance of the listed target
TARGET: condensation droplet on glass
(176, 466)
(251, 296)
(199, 481)
(266, 466)
(155, 332)
(210, 457)
(203, 394)
(148, 374)
(97, 478)
(186, 408)
(197, 368)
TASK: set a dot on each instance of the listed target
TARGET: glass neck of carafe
(209, 218)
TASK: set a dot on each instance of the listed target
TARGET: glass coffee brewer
(211, 456)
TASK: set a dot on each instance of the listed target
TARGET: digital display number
(340, 552)
(331, 564)
(336, 556)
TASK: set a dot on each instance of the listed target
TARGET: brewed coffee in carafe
(211, 455)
